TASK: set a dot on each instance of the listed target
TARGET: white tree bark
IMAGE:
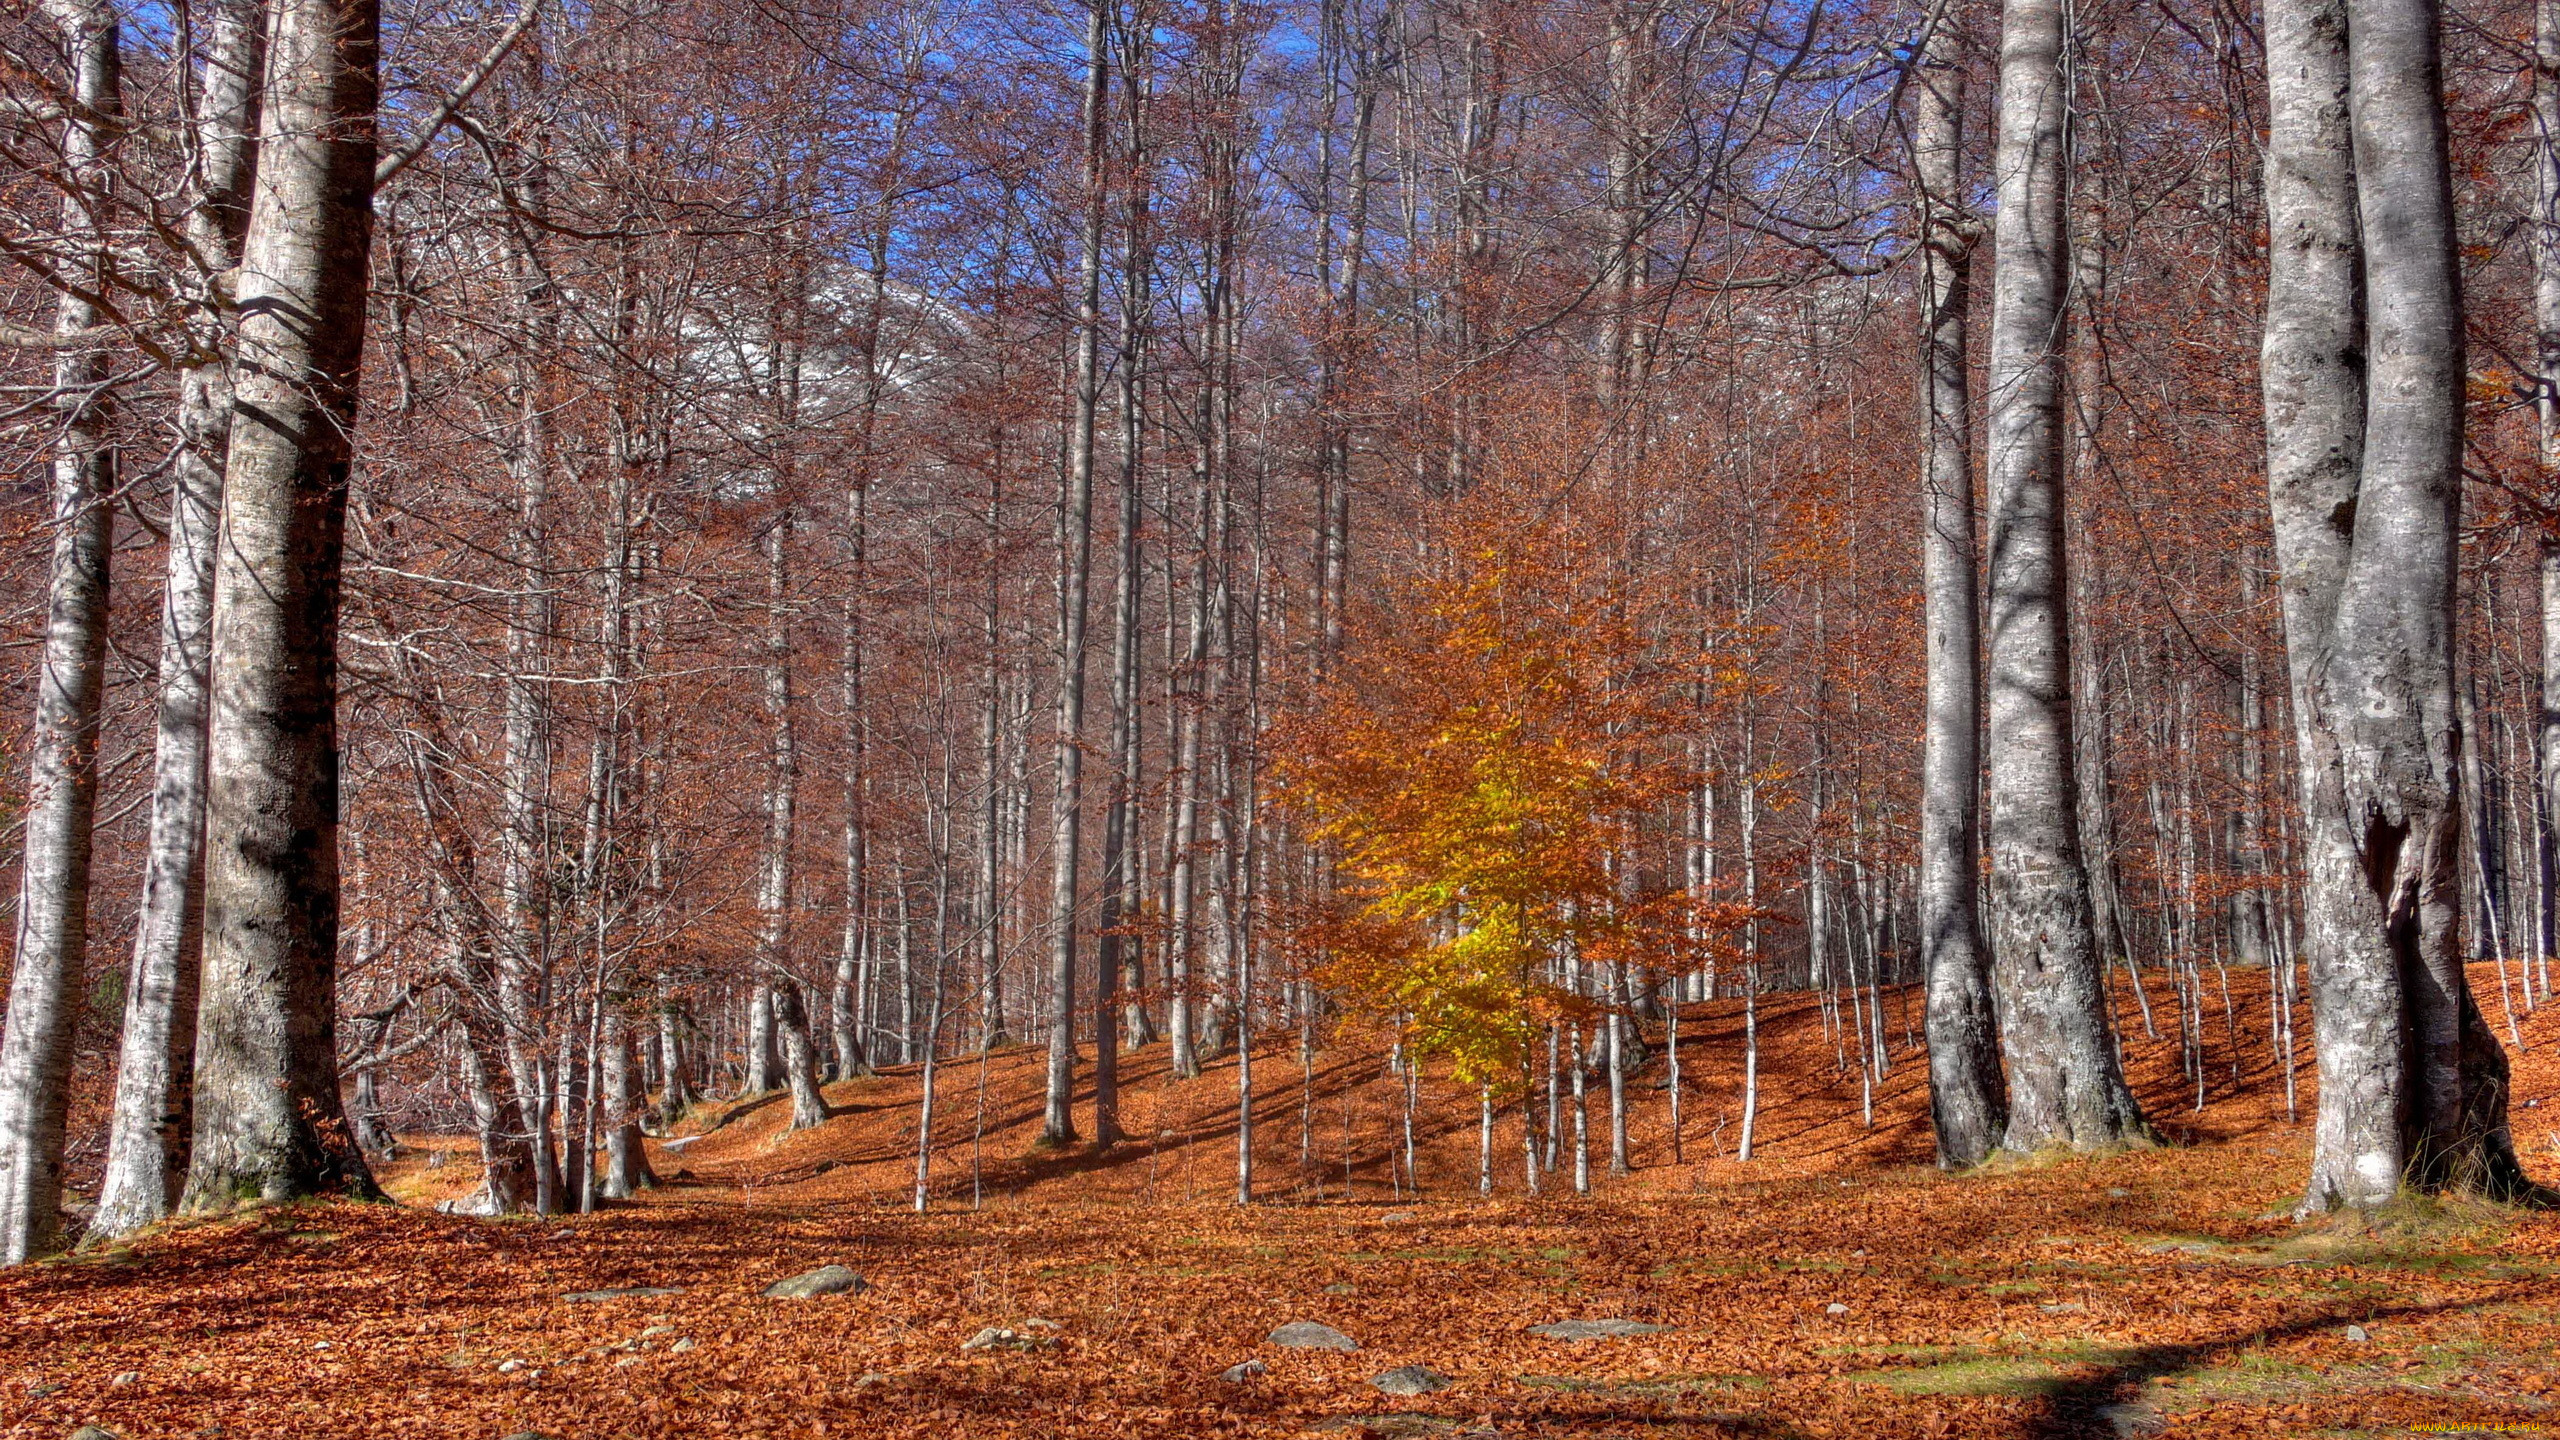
(1075, 567)
(2065, 1085)
(62, 780)
(1965, 1099)
(269, 1124)
(2363, 373)
(147, 1131)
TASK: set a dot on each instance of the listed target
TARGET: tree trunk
(2065, 1085)
(2364, 397)
(1965, 1099)
(269, 1125)
(147, 1132)
(1075, 566)
(62, 779)
(799, 1055)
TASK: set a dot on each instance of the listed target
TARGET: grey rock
(2067, 1307)
(509, 1367)
(528, 1435)
(680, 1346)
(2356, 1335)
(94, 1432)
(1595, 1329)
(1238, 1374)
(1412, 1380)
(2129, 1419)
(126, 1377)
(999, 1337)
(1396, 1217)
(654, 1331)
(621, 1292)
(42, 1388)
(825, 1280)
(2118, 1192)
(1835, 1308)
(1338, 1287)
(1308, 1335)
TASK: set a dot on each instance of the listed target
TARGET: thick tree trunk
(626, 1156)
(147, 1131)
(1965, 1099)
(62, 779)
(2363, 370)
(268, 1121)
(2065, 1085)
(799, 1055)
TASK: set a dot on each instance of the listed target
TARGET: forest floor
(1836, 1285)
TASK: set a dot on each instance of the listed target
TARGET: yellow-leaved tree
(1480, 764)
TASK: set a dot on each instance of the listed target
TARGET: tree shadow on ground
(2080, 1409)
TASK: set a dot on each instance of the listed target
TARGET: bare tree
(62, 781)
(146, 1141)
(1964, 1058)
(2363, 372)
(268, 1121)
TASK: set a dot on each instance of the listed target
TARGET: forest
(1369, 718)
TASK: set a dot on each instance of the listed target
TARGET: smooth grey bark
(760, 1059)
(783, 1016)
(2066, 1087)
(1116, 959)
(1966, 1103)
(799, 1055)
(147, 1128)
(2546, 364)
(62, 779)
(626, 1155)
(269, 1124)
(2363, 373)
(1075, 567)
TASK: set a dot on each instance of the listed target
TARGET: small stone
(319, 1344)
(1308, 1335)
(42, 1388)
(680, 1346)
(528, 1435)
(1412, 1380)
(2067, 1307)
(1338, 1287)
(94, 1432)
(2118, 1192)
(2356, 1335)
(1396, 1217)
(1036, 1323)
(629, 1360)
(1238, 1374)
(1835, 1308)
(870, 1380)
(654, 1331)
(2129, 1419)
(621, 1292)
(126, 1377)
(509, 1367)
(563, 1233)
(825, 1280)
(999, 1337)
(1595, 1329)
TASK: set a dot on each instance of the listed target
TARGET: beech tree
(2066, 1084)
(2363, 368)
(269, 1121)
